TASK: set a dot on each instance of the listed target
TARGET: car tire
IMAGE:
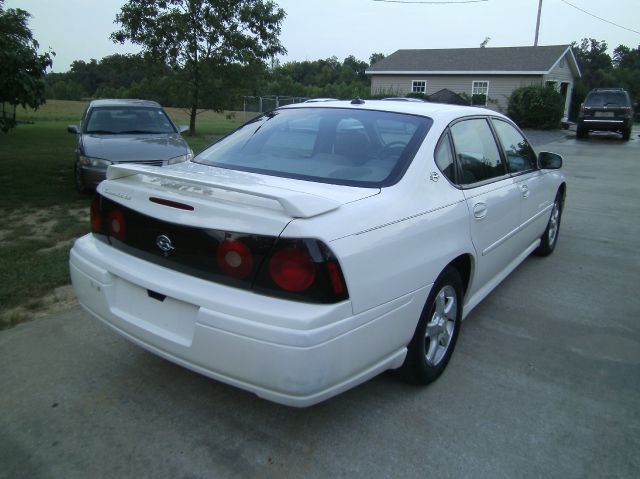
(78, 180)
(626, 134)
(437, 332)
(581, 131)
(549, 238)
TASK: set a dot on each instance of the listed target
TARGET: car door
(533, 184)
(492, 198)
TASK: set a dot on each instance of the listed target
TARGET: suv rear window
(607, 98)
(329, 145)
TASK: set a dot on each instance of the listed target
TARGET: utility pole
(535, 43)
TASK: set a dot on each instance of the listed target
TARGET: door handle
(479, 210)
(525, 191)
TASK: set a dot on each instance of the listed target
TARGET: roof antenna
(484, 43)
(357, 101)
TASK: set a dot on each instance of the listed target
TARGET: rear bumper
(292, 353)
(614, 124)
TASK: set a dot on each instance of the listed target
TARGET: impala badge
(164, 243)
(434, 176)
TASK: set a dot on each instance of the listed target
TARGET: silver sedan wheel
(441, 325)
(553, 223)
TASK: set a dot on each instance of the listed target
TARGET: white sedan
(320, 244)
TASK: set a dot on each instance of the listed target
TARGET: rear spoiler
(296, 204)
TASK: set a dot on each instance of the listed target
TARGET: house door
(565, 91)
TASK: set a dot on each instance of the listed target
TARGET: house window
(419, 86)
(479, 92)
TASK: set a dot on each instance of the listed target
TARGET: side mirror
(73, 129)
(549, 161)
(183, 128)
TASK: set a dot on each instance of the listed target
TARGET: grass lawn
(41, 213)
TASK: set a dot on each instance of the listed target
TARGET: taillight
(304, 270)
(235, 259)
(96, 215)
(292, 269)
(116, 225)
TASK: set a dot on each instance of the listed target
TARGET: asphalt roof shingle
(500, 59)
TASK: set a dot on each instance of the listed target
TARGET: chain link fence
(256, 105)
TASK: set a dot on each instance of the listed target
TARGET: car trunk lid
(221, 198)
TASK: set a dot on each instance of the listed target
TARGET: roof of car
(124, 102)
(431, 110)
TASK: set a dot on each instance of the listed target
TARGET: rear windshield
(113, 120)
(608, 98)
(330, 145)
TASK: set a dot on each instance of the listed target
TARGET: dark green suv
(608, 109)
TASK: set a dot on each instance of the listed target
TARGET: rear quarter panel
(398, 241)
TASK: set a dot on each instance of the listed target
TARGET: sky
(314, 29)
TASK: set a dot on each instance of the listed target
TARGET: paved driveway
(545, 381)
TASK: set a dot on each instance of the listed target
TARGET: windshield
(607, 99)
(128, 119)
(330, 145)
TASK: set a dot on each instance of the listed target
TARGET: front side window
(479, 92)
(329, 145)
(113, 120)
(476, 151)
(419, 86)
(520, 155)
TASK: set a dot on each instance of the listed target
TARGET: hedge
(536, 106)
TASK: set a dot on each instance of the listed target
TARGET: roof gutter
(455, 72)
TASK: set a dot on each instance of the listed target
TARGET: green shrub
(479, 99)
(421, 96)
(536, 107)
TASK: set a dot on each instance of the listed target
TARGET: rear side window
(330, 145)
(476, 151)
(520, 155)
(444, 158)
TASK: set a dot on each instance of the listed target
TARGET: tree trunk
(192, 120)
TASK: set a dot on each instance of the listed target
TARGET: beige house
(492, 72)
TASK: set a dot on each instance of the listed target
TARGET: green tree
(375, 58)
(22, 75)
(593, 60)
(202, 37)
(626, 58)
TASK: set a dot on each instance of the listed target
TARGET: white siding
(393, 85)
(500, 86)
(562, 73)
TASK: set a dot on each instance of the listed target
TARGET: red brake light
(116, 225)
(96, 215)
(235, 259)
(292, 269)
